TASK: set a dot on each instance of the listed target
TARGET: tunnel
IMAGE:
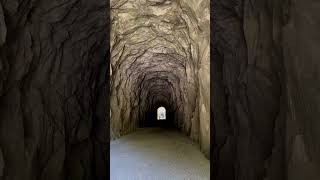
(160, 56)
(81, 81)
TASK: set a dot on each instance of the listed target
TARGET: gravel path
(157, 154)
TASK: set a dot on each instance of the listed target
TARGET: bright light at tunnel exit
(161, 113)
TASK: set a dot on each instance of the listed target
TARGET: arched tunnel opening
(160, 116)
(160, 56)
(161, 113)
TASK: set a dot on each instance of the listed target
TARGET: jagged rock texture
(160, 57)
(53, 75)
(265, 90)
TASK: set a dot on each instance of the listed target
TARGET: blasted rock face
(266, 108)
(2, 164)
(52, 89)
(160, 56)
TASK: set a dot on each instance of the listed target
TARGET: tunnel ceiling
(158, 49)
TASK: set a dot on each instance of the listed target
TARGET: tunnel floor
(157, 154)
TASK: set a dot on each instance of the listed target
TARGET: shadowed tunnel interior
(67, 84)
(160, 57)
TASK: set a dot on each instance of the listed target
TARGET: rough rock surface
(265, 76)
(265, 83)
(1, 164)
(160, 57)
(52, 89)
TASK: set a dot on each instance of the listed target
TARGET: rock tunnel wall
(160, 56)
(265, 91)
(53, 74)
(53, 79)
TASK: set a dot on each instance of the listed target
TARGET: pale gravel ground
(157, 154)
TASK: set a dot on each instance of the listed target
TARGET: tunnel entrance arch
(161, 113)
